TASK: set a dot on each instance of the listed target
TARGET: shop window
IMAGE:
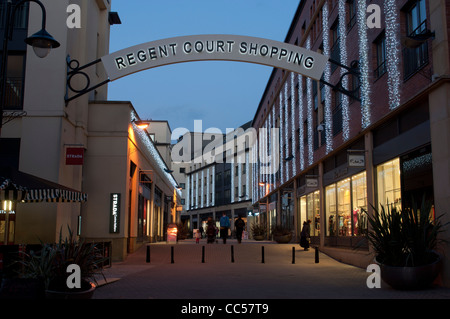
(389, 184)
(344, 202)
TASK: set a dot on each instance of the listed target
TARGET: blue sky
(221, 94)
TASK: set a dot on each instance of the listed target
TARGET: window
(416, 24)
(182, 170)
(380, 44)
(344, 202)
(183, 185)
(351, 13)
(388, 184)
(335, 47)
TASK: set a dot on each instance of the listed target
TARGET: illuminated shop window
(310, 210)
(388, 184)
(344, 202)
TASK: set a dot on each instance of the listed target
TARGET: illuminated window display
(389, 184)
(310, 210)
(344, 202)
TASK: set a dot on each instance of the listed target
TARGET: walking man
(239, 225)
(224, 226)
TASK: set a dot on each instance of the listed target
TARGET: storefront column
(232, 220)
(321, 207)
(439, 104)
(370, 177)
(151, 212)
(294, 198)
(278, 206)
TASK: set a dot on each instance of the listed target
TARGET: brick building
(383, 143)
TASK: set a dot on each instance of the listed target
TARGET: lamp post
(42, 43)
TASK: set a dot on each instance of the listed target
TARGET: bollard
(203, 254)
(232, 253)
(317, 255)
(171, 255)
(293, 255)
(147, 259)
(262, 254)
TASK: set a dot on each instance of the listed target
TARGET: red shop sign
(74, 156)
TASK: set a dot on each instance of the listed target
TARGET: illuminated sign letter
(114, 214)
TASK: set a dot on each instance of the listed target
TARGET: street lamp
(42, 42)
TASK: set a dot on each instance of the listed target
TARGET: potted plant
(405, 242)
(281, 235)
(258, 231)
(50, 265)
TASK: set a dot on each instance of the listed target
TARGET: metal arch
(73, 69)
(353, 70)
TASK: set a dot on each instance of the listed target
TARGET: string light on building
(281, 136)
(293, 135)
(364, 63)
(301, 136)
(309, 109)
(326, 75)
(343, 51)
(392, 52)
(145, 138)
(286, 138)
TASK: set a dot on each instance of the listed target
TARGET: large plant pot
(282, 239)
(411, 278)
(259, 237)
(85, 292)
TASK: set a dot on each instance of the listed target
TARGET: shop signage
(172, 232)
(356, 160)
(114, 214)
(214, 48)
(312, 182)
(74, 156)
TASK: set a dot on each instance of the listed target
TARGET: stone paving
(248, 277)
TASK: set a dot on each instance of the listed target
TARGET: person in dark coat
(239, 224)
(305, 235)
(211, 231)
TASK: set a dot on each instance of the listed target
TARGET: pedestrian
(305, 235)
(201, 230)
(224, 226)
(211, 231)
(198, 236)
(239, 224)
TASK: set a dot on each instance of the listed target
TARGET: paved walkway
(245, 278)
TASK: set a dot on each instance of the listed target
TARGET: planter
(411, 278)
(85, 292)
(258, 237)
(282, 239)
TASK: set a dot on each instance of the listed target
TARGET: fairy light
(286, 139)
(281, 137)
(188, 192)
(309, 112)
(275, 162)
(208, 181)
(232, 177)
(343, 51)
(392, 52)
(247, 174)
(154, 154)
(364, 63)
(213, 186)
(196, 190)
(293, 135)
(327, 75)
(202, 196)
(301, 136)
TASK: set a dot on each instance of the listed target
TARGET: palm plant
(50, 263)
(406, 237)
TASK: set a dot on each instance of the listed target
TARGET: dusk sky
(221, 94)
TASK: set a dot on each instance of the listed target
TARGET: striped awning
(26, 188)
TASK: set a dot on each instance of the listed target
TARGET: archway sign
(214, 48)
(205, 48)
